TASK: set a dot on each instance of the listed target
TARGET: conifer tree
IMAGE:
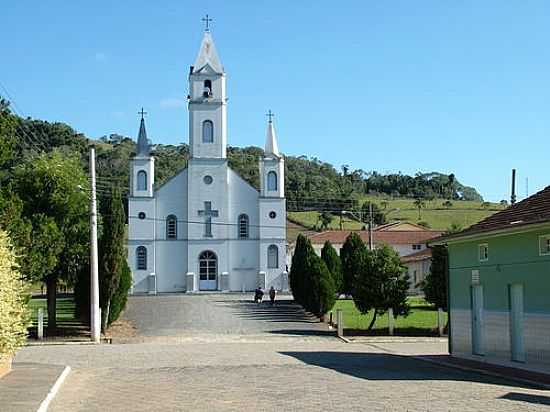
(435, 284)
(300, 270)
(113, 254)
(351, 255)
(334, 265)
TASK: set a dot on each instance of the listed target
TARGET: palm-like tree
(419, 203)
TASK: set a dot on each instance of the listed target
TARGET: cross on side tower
(270, 116)
(206, 20)
(142, 113)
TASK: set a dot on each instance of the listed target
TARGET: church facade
(206, 228)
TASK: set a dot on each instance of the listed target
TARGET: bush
(14, 313)
(299, 272)
(351, 254)
(321, 294)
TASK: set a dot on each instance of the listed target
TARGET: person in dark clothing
(258, 295)
(272, 295)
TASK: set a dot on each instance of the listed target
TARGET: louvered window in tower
(207, 131)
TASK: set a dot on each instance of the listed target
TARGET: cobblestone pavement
(259, 371)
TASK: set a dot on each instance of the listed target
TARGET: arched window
(207, 89)
(272, 257)
(141, 258)
(207, 131)
(171, 227)
(208, 265)
(243, 226)
(142, 180)
(272, 181)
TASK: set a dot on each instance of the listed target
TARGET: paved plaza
(255, 358)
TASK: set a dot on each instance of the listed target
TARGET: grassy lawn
(463, 213)
(67, 324)
(422, 319)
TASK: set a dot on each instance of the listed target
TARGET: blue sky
(450, 86)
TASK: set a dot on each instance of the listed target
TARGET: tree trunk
(105, 316)
(51, 294)
(372, 321)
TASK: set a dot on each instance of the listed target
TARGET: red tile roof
(416, 256)
(534, 209)
(396, 237)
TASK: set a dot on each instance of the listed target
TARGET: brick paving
(254, 370)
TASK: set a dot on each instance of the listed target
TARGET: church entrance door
(208, 270)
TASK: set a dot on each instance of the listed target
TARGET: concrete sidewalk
(27, 385)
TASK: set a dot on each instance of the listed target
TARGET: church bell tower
(207, 103)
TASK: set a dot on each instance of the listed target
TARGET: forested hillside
(311, 184)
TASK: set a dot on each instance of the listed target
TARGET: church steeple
(271, 146)
(208, 55)
(143, 148)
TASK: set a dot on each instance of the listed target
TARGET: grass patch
(67, 324)
(422, 319)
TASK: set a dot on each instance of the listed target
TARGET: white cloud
(172, 102)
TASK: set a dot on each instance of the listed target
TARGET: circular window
(272, 214)
(208, 180)
(141, 215)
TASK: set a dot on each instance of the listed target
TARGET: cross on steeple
(206, 20)
(208, 214)
(270, 116)
(142, 113)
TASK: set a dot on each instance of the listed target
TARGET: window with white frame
(142, 180)
(544, 245)
(483, 252)
(141, 258)
(272, 181)
(417, 247)
(243, 226)
(171, 227)
(207, 131)
(272, 257)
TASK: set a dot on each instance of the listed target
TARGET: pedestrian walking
(272, 295)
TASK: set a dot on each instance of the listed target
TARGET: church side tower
(272, 212)
(207, 103)
(142, 173)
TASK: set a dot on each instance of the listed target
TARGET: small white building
(206, 228)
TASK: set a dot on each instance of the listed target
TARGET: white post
(391, 321)
(40, 323)
(95, 317)
(440, 322)
(340, 321)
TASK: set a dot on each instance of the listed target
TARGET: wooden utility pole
(95, 321)
(513, 196)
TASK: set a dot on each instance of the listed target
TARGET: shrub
(334, 265)
(351, 254)
(118, 302)
(321, 293)
(14, 313)
(299, 272)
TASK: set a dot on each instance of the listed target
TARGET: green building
(499, 286)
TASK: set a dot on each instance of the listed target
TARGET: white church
(207, 229)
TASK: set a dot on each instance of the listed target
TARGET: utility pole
(95, 321)
(371, 245)
(513, 196)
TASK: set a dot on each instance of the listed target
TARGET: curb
(53, 391)
(485, 372)
(346, 340)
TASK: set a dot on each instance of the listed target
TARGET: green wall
(513, 258)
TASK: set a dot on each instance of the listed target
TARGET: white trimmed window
(417, 247)
(243, 226)
(141, 258)
(272, 257)
(272, 181)
(207, 131)
(171, 227)
(544, 245)
(142, 180)
(483, 252)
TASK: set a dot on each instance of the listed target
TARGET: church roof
(271, 146)
(208, 55)
(143, 148)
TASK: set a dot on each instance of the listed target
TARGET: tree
(504, 202)
(14, 314)
(321, 293)
(378, 216)
(454, 228)
(113, 254)
(382, 283)
(53, 229)
(299, 271)
(435, 284)
(419, 203)
(447, 204)
(334, 265)
(351, 255)
(325, 218)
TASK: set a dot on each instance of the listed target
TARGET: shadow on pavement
(382, 366)
(528, 398)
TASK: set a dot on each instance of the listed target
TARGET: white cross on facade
(208, 214)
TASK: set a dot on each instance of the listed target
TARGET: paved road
(254, 370)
